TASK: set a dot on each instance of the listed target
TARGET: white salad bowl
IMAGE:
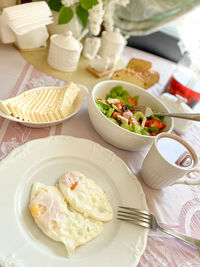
(116, 135)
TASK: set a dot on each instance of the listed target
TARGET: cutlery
(147, 220)
(147, 111)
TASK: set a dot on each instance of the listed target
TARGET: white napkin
(6, 34)
(25, 28)
(21, 19)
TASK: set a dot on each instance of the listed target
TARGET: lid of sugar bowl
(114, 36)
(66, 41)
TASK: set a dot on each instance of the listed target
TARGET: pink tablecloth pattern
(176, 207)
(13, 134)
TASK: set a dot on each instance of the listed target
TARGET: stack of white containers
(25, 25)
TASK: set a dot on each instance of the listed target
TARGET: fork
(147, 111)
(147, 220)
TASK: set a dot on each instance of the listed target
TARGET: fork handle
(190, 116)
(187, 239)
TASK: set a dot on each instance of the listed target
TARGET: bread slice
(151, 77)
(139, 65)
(129, 75)
(144, 80)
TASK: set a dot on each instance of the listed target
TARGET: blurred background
(155, 26)
(166, 28)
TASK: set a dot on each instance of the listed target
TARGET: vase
(74, 26)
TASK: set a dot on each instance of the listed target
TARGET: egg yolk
(37, 210)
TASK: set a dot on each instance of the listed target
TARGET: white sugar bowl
(112, 44)
(177, 104)
(64, 52)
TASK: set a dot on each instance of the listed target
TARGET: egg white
(50, 212)
(85, 196)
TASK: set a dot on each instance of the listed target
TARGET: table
(176, 207)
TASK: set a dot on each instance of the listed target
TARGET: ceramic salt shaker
(91, 47)
(64, 52)
(112, 45)
(177, 104)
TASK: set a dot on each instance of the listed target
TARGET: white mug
(158, 172)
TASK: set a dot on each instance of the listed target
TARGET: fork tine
(143, 224)
(139, 217)
(139, 108)
(134, 216)
(137, 211)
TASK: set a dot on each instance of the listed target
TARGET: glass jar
(185, 80)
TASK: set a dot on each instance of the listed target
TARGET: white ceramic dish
(76, 107)
(115, 134)
(44, 160)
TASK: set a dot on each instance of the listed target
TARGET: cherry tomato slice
(133, 121)
(156, 124)
(115, 114)
(119, 105)
(132, 101)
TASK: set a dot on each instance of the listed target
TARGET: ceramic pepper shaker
(91, 47)
(112, 45)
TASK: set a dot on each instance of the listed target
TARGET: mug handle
(189, 181)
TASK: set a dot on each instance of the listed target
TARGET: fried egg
(51, 213)
(85, 196)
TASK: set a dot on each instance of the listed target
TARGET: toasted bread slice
(151, 77)
(144, 80)
(129, 75)
(139, 65)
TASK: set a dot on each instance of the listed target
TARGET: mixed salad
(118, 106)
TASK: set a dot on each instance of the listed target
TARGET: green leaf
(102, 106)
(82, 15)
(55, 5)
(137, 128)
(65, 15)
(87, 4)
(115, 91)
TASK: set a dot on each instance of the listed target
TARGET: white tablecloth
(176, 207)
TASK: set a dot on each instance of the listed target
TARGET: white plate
(76, 107)
(120, 244)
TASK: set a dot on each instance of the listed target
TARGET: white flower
(101, 13)
(69, 2)
(95, 18)
(123, 2)
(108, 16)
